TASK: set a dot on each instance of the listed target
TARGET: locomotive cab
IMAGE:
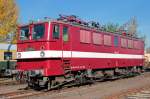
(39, 51)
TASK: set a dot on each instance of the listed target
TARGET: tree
(132, 27)
(8, 18)
(148, 50)
(111, 27)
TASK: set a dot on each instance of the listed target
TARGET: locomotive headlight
(19, 55)
(42, 53)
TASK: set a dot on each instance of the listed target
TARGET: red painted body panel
(78, 63)
(54, 66)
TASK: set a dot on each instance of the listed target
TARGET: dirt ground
(11, 88)
(118, 89)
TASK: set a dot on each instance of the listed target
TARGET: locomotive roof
(80, 26)
(97, 30)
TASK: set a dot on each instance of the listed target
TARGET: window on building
(65, 33)
(7, 55)
(24, 33)
(116, 41)
(107, 40)
(123, 42)
(85, 36)
(56, 32)
(38, 31)
(97, 38)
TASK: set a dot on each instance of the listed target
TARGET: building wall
(2, 54)
(147, 60)
(147, 57)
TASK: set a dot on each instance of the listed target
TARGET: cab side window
(65, 33)
(24, 33)
(56, 32)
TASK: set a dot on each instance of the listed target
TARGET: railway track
(140, 95)
(8, 82)
(141, 92)
(2, 79)
(27, 93)
(19, 94)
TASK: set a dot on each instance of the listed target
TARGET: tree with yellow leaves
(8, 18)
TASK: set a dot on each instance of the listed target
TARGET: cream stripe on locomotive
(74, 54)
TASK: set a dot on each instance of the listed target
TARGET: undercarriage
(78, 78)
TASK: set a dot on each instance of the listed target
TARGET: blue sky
(104, 11)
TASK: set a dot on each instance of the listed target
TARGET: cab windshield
(24, 33)
(38, 31)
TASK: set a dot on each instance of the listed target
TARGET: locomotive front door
(66, 48)
(66, 43)
(62, 42)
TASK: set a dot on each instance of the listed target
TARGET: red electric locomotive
(69, 47)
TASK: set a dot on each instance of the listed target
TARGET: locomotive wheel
(80, 79)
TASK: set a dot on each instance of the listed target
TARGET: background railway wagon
(7, 55)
